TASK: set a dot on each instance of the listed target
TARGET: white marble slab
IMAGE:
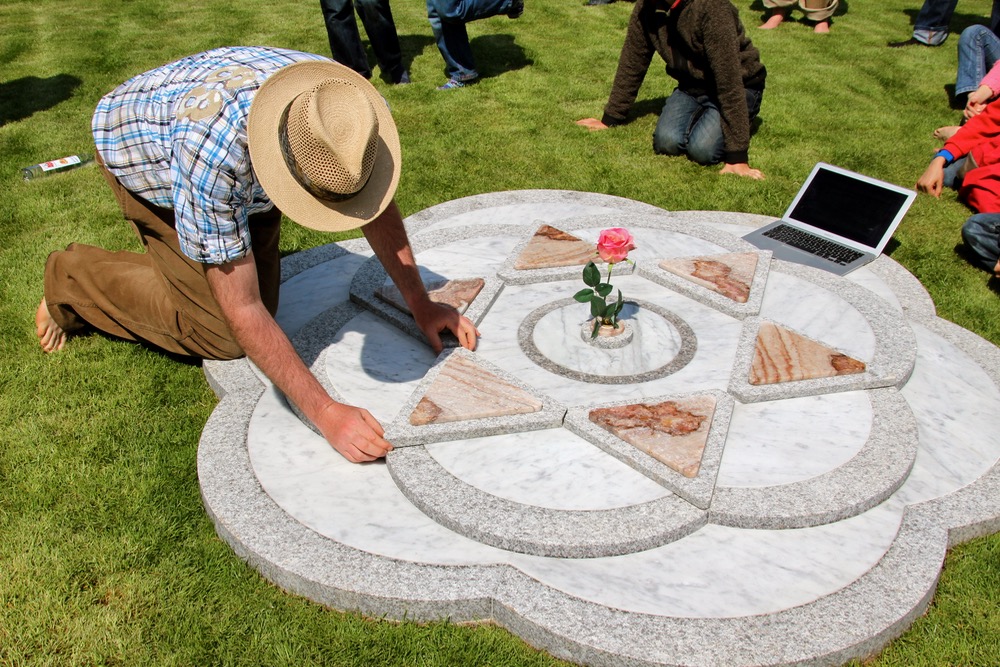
(780, 442)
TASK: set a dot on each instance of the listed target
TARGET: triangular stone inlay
(455, 293)
(673, 432)
(729, 274)
(464, 390)
(781, 355)
(551, 247)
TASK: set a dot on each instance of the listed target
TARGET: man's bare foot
(823, 27)
(945, 133)
(773, 22)
(50, 335)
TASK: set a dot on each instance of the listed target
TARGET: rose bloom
(613, 245)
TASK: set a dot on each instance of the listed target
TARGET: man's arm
(387, 237)
(351, 431)
(633, 62)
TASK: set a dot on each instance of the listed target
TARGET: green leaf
(591, 274)
(604, 289)
(597, 325)
(621, 302)
(583, 296)
(597, 306)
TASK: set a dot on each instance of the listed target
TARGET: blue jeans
(978, 50)
(692, 125)
(931, 25)
(448, 19)
(345, 40)
(981, 234)
(932, 22)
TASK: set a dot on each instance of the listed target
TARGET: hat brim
(280, 184)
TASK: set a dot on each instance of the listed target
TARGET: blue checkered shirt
(176, 136)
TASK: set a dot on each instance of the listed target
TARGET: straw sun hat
(324, 146)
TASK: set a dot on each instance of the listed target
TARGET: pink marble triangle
(464, 390)
(781, 355)
(456, 293)
(673, 432)
(729, 274)
(551, 247)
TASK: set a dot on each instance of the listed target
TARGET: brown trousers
(160, 297)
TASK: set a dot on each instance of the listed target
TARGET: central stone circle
(662, 343)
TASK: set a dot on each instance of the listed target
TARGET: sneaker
(516, 9)
(912, 41)
(403, 78)
(452, 84)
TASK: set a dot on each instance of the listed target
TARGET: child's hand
(977, 101)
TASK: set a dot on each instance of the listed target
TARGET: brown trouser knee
(160, 297)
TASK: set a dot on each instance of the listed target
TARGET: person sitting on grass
(978, 76)
(720, 81)
(970, 163)
(199, 154)
(817, 12)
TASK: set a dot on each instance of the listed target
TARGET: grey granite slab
(530, 529)
(870, 477)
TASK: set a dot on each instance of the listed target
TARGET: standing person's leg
(777, 12)
(933, 21)
(162, 297)
(981, 234)
(819, 12)
(673, 129)
(978, 51)
(376, 16)
(453, 43)
(464, 11)
(345, 40)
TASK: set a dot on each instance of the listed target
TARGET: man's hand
(353, 432)
(743, 169)
(932, 180)
(996, 269)
(433, 318)
(591, 124)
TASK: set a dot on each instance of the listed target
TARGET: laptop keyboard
(813, 244)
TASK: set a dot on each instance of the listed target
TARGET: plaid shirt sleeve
(210, 177)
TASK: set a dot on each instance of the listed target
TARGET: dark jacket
(706, 50)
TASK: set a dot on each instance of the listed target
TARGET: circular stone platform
(808, 527)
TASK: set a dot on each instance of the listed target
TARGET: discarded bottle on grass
(59, 166)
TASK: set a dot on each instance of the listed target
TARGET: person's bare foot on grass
(945, 133)
(773, 22)
(823, 27)
(50, 335)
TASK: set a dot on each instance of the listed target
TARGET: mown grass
(106, 555)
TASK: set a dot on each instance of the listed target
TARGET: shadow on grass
(22, 97)
(498, 54)
(411, 46)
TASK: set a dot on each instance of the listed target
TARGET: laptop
(838, 221)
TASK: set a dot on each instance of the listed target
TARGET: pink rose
(613, 245)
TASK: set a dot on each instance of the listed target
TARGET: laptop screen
(849, 206)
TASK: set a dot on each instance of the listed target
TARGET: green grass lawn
(106, 555)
